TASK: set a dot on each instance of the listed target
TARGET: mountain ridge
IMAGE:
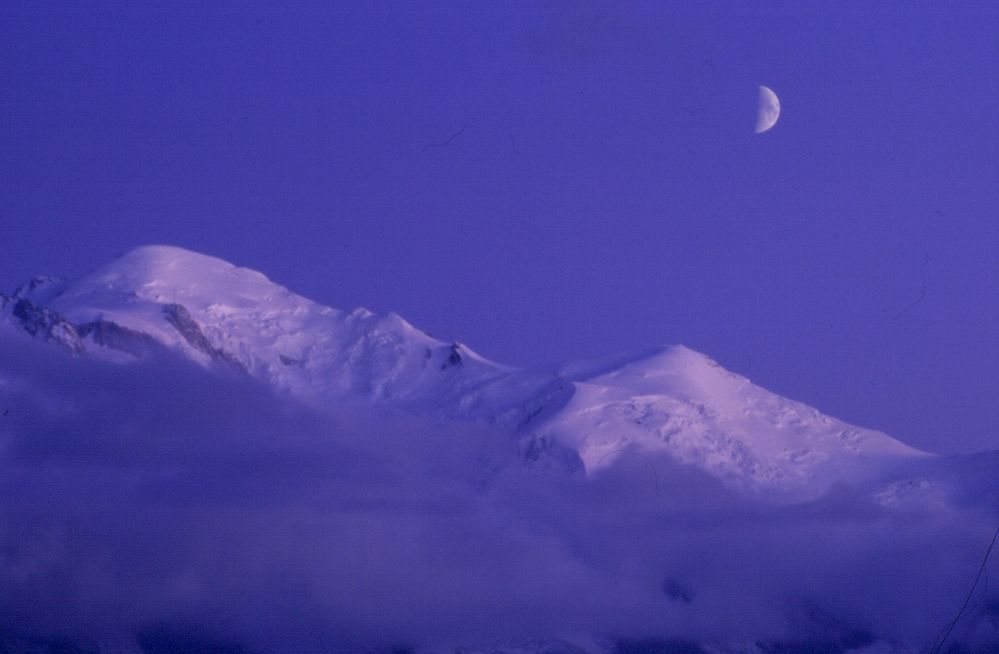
(660, 400)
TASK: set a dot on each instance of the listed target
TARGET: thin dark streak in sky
(449, 139)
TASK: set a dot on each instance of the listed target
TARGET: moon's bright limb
(769, 110)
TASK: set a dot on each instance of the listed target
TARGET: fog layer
(156, 501)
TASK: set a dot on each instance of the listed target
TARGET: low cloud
(155, 507)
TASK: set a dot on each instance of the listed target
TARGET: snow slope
(663, 401)
(677, 399)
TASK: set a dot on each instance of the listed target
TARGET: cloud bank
(156, 507)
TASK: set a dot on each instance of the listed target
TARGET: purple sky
(601, 187)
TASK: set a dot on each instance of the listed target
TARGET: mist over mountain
(194, 458)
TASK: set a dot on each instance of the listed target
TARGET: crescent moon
(769, 110)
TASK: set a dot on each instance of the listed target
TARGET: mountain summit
(580, 415)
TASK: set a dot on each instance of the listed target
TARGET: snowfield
(665, 399)
(417, 496)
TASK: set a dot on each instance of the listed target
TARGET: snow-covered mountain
(129, 474)
(578, 416)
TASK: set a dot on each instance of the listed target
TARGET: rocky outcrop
(453, 357)
(45, 324)
(49, 325)
(180, 319)
(35, 288)
(116, 337)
